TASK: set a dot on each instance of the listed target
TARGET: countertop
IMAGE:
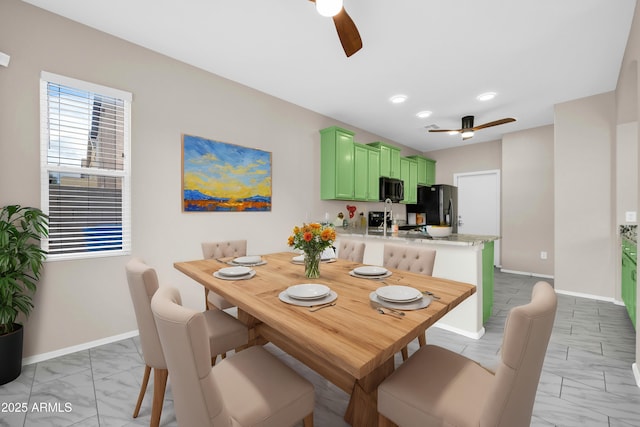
(629, 232)
(412, 236)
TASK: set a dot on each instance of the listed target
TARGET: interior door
(479, 205)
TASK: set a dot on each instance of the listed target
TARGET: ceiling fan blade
(445, 130)
(494, 123)
(347, 32)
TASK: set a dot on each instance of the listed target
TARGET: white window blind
(85, 168)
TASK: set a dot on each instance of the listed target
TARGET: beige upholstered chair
(438, 387)
(415, 259)
(230, 248)
(252, 388)
(351, 250)
(225, 333)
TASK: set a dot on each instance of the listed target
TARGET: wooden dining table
(351, 344)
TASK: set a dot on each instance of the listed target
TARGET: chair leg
(159, 387)
(405, 353)
(422, 340)
(308, 420)
(143, 389)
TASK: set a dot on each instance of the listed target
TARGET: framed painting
(217, 176)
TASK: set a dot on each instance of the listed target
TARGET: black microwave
(391, 188)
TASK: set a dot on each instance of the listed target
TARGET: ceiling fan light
(467, 134)
(328, 8)
(453, 132)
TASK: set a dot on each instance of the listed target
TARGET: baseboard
(526, 273)
(80, 347)
(636, 373)
(588, 296)
(475, 336)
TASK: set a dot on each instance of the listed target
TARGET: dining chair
(415, 259)
(438, 387)
(224, 331)
(252, 388)
(351, 250)
(216, 250)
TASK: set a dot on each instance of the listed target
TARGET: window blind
(85, 147)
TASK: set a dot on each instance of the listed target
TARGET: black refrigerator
(437, 205)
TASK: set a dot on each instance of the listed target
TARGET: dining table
(351, 343)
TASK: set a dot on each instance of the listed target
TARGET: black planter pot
(11, 355)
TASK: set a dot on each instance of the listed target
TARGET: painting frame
(222, 177)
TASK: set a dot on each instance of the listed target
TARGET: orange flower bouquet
(312, 239)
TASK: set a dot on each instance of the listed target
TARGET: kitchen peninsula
(461, 257)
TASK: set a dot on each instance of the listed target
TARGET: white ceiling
(440, 53)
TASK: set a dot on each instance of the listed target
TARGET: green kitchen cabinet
(336, 164)
(366, 172)
(409, 174)
(487, 280)
(629, 276)
(426, 170)
(389, 159)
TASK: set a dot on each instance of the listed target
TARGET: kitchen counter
(418, 237)
(461, 257)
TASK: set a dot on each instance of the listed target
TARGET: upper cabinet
(409, 174)
(389, 159)
(337, 164)
(367, 173)
(352, 171)
(426, 170)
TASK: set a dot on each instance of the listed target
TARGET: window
(85, 168)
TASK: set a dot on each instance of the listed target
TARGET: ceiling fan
(468, 128)
(347, 31)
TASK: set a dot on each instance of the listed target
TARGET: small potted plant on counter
(21, 261)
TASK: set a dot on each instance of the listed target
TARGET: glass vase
(312, 264)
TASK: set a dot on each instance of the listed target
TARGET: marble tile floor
(586, 380)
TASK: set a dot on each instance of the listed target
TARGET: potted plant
(21, 259)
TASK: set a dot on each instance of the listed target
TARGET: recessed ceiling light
(398, 99)
(423, 114)
(486, 96)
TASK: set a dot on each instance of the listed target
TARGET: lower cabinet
(487, 280)
(629, 278)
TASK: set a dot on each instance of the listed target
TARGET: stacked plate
(235, 273)
(400, 297)
(300, 259)
(307, 294)
(248, 260)
(370, 272)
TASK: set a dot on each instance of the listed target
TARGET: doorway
(479, 205)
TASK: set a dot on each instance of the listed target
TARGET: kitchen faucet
(384, 218)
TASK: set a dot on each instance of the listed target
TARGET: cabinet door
(422, 170)
(431, 172)
(336, 164)
(385, 161)
(395, 168)
(409, 175)
(373, 191)
(361, 170)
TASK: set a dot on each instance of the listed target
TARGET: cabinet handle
(634, 275)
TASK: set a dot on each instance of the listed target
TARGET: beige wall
(585, 229)
(527, 201)
(86, 300)
(467, 158)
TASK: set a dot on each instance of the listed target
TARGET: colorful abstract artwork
(217, 176)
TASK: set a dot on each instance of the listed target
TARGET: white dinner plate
(330, 297)
(308, 291)
(413, 305)
(370, 270)
(398, 293)
(254, 259)
(234, 271)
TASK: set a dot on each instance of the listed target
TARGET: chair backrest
(185, 340)
(351, 250)
(229, 248)
(415, 259)
(526, 336)
(143, 284)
